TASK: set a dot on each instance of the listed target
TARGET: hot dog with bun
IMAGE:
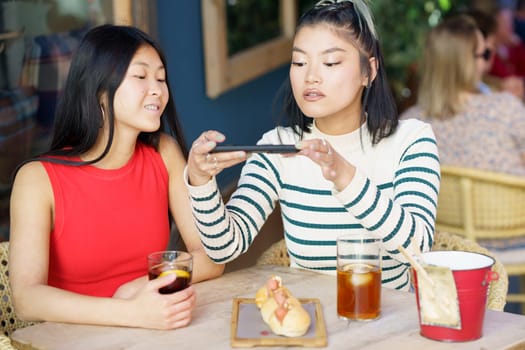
(281, 310)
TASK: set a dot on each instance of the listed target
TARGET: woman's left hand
(334, 167)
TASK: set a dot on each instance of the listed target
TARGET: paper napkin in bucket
(438, 298)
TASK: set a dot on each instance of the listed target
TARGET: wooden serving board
(248, 328)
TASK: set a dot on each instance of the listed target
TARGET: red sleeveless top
(106, 222)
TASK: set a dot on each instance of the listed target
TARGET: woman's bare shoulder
(33, 171)
(31, 185)
(170, 151)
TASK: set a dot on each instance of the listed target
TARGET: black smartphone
(257, 148)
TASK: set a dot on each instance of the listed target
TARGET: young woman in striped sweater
(359, 169)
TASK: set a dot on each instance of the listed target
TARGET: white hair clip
(362, 9)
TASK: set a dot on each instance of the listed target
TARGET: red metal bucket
(472, 275)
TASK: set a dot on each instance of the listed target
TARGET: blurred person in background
(519, 19)
(487, 25)
(509, 55)
(485, 131)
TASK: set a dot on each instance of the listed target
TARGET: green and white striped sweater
(393, 194)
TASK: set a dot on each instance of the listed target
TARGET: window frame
(225, 72)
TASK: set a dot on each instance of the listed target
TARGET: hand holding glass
(171, 262)
(358, 277)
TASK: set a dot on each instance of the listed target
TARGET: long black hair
(352, 18)
(97, 69)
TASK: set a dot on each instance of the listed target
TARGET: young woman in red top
(85, 214)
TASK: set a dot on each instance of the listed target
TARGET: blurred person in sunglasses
(475, 129)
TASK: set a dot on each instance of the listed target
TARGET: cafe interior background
(226, 60)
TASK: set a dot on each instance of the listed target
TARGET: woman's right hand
(333, 166)
(203, 165)
(163, 311)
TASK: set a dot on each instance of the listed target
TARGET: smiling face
(143, 94)
(327, 79)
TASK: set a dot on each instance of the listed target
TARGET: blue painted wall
(242, 114)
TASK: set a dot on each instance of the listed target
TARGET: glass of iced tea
(171, 262)
(358, 277)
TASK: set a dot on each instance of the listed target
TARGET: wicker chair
(9, 321)
(498, 289)
(5, 343)
(488, 208)
(277, 254)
